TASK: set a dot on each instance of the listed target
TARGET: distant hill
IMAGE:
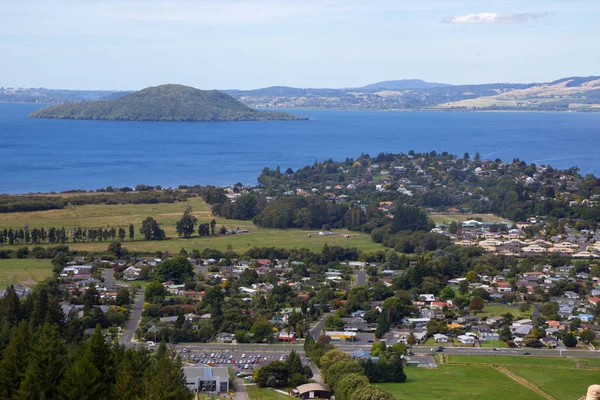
(404, 84)
(567, 94)
(163, 103)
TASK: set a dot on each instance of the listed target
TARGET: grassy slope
(464, 382)
(17, 270)
(166, 215)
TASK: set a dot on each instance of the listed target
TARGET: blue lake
(53, 155)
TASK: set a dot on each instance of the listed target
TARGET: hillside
(404, 84)
(163, 103)
(567, 94)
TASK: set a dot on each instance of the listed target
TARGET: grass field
(256, 393)
(28, 271)
(167, 214)
(495, 344)
(447, 218)
(464, 382)
(515, 360)
(560, 384)
(491, 310)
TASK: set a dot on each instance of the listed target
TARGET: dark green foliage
(185, 225)
(163, 103)
(299, 212)
(176, 269)
(151, 230)
(155, 292)
(384, 370)
(408, 218)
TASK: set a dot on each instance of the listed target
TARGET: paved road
(240, 390)
(316, 330)
(361, 278)
(135, 317)
(109, 277)
(536, 311)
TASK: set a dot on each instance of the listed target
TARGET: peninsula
(163, 103)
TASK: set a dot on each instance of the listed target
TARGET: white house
(440, 338)
(465, 339)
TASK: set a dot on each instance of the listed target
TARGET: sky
(246, 44)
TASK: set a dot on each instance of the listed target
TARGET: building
(205, 379)
(314, 391)
(336, 335)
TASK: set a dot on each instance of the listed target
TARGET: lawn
(28, 271)
(561, 384)
(494, 309)
(167, 214)
(447, 218)
(501, 344)
(256, 393)
(514, 360)
(464, 382)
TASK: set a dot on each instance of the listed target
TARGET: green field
(447, 218)
(256, 393)
(465, 382)
(501, 344)
(492, 309)
(167, 214)
(560, 384)
(27, 271)
(515, 360)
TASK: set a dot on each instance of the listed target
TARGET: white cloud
(494, 18)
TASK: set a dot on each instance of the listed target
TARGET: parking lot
(239, 360)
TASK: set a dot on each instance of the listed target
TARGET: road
(135, 316)
(240, 390)
(315, 332)
(109, 277)
(361, 278)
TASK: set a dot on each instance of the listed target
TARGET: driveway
(240, 390)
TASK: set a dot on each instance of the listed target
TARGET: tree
(14, 362)
(185, 225)
(549, 309)
(132, 370)
(273, 374)
(587, 335)
(524, 307)
(117, 249)
(341, 368)
(151, 230)
(176, 269)
(332, 357)
(262, 330)
(409, 218)
(371, 393)
(570, 340)
(476, 304)
(453, 227)
(155, 293)
(166, 379)
(463, 287)
(81, 381)
(447, 293)
(346, 386)
(131, 232)
(123, 297)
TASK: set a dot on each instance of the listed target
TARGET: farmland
(167, 214)
(27, 271)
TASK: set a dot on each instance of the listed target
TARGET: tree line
(9, 204)
(56, 235)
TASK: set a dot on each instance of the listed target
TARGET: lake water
(53, 155)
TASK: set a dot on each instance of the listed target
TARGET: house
(466, 339)
(314, 391)
(440, 338)
(427, 297)
(594, 300)
(586, 317)
(131, 273)
(363, 355)
(549, 341)
(203, 379)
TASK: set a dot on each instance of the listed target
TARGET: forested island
(163, 103)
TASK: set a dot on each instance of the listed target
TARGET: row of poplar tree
(62, 235)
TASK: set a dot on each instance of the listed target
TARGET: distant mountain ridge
(163, 103)
(404, 84)
(565, 94)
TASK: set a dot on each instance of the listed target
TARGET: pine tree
(14, 363)
(47, 364)
(82, 381)
(10, 306)
(130, 378)
(166, 381)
